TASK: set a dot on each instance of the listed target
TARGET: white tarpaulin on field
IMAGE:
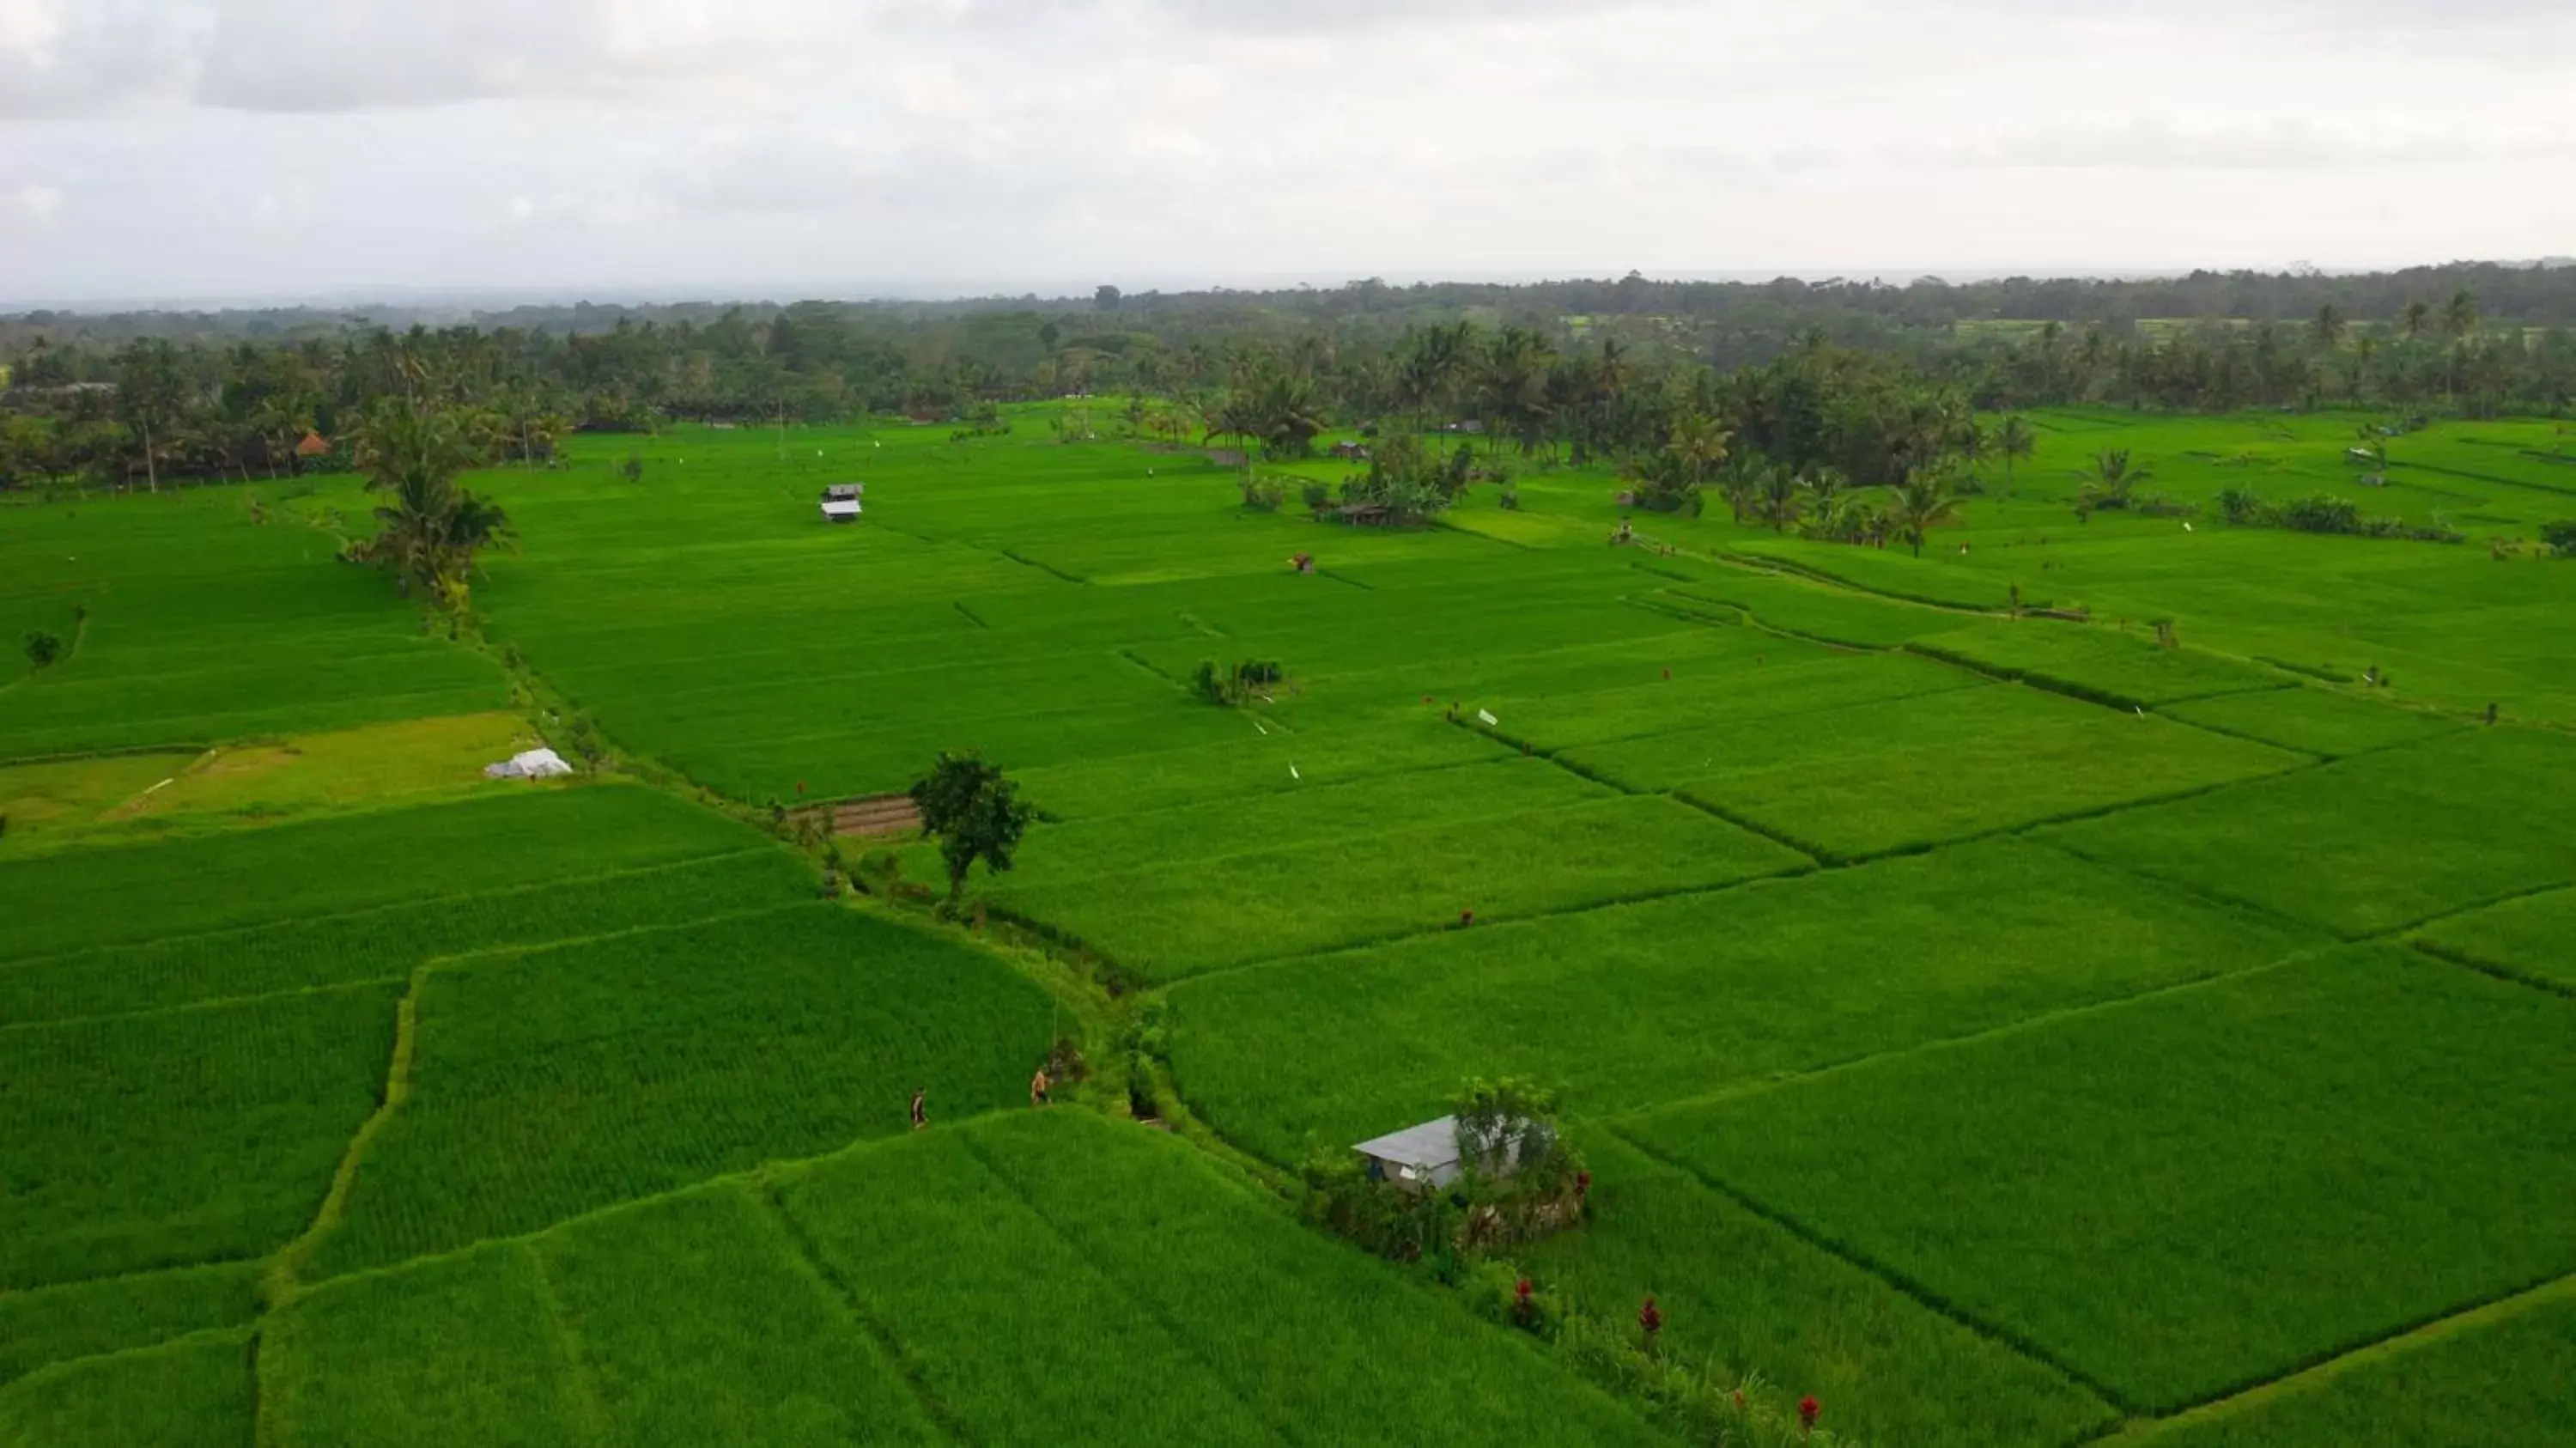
(535, 764)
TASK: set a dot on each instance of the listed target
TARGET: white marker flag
(1488, 716)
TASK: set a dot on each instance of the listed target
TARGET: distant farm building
(1351, 451)
(312, 446)
(1422, 1155)
(841, 501)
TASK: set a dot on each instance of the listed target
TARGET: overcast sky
(239, 149)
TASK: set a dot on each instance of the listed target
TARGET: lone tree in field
(975, 813)
(43, 648)
(432, 528)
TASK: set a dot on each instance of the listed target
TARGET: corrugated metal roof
(1433, 1143)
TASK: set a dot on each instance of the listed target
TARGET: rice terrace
(2013, 900)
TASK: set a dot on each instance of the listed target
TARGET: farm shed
(841, 501)
(1418, 1154)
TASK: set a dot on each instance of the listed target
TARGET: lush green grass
(465, 1349)
(699, 1323)
(203, 625)
(2316, 721)
(2532, 935)
(1046, 1277)
(1125, 1257)
(1760, 1299)
(188, 1136)
(347, 863)
(1919, 770)
(2504, 1382)
(111, 1314)
(386, 943)
(2368, 844)
(1641, 1004)
(549, 1084)
(1351, 811)
(193, 1393)
(1169, 921)
(2185, 1195)
(1767, 695)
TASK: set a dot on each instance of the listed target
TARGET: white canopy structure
(533, 764)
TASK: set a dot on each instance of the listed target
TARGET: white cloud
(39, 204)
(784, 145)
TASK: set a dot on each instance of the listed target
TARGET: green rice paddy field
(2009, 1027)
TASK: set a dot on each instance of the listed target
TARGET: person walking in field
(920, 1113)
(1038, 1088)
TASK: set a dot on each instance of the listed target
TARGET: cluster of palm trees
(1929, 488)
(429, 528)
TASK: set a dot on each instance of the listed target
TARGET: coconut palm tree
(2329, 327)
(1777, 497)
(2013, 439)
(1699, 444)
(2415, 319)
(432, 528)
(1921, 503)
(2109, 483)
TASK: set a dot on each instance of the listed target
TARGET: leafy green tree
(973, 811)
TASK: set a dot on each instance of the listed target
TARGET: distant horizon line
(503, 298)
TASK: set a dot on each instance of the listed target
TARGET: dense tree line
(1850, 378)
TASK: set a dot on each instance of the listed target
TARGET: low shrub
(2560, 535)
(1263, 495)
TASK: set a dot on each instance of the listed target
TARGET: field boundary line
(2485, 478)
(582, 1384)
(1902, 1282)
(2506, 973)
(1049, 569)
(970, 615)
(2253, 908)
(2307, 1379)
(281, 1284)
(551, 886)
(2036, 1021)
(2090, 694)
(214, 1003)
(247, 1331)
(1326, 952)
(763, 1191)
(1813, 857)
(2472, 908)
(1181, 1337)
(2457, 726)
(1379, 942)
(1139, 660)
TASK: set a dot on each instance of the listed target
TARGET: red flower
(1521, 1289)
(1466, 917)
(1582, 1183)
(1650, 1318)
(1808, 1407)
(1739, 1400)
